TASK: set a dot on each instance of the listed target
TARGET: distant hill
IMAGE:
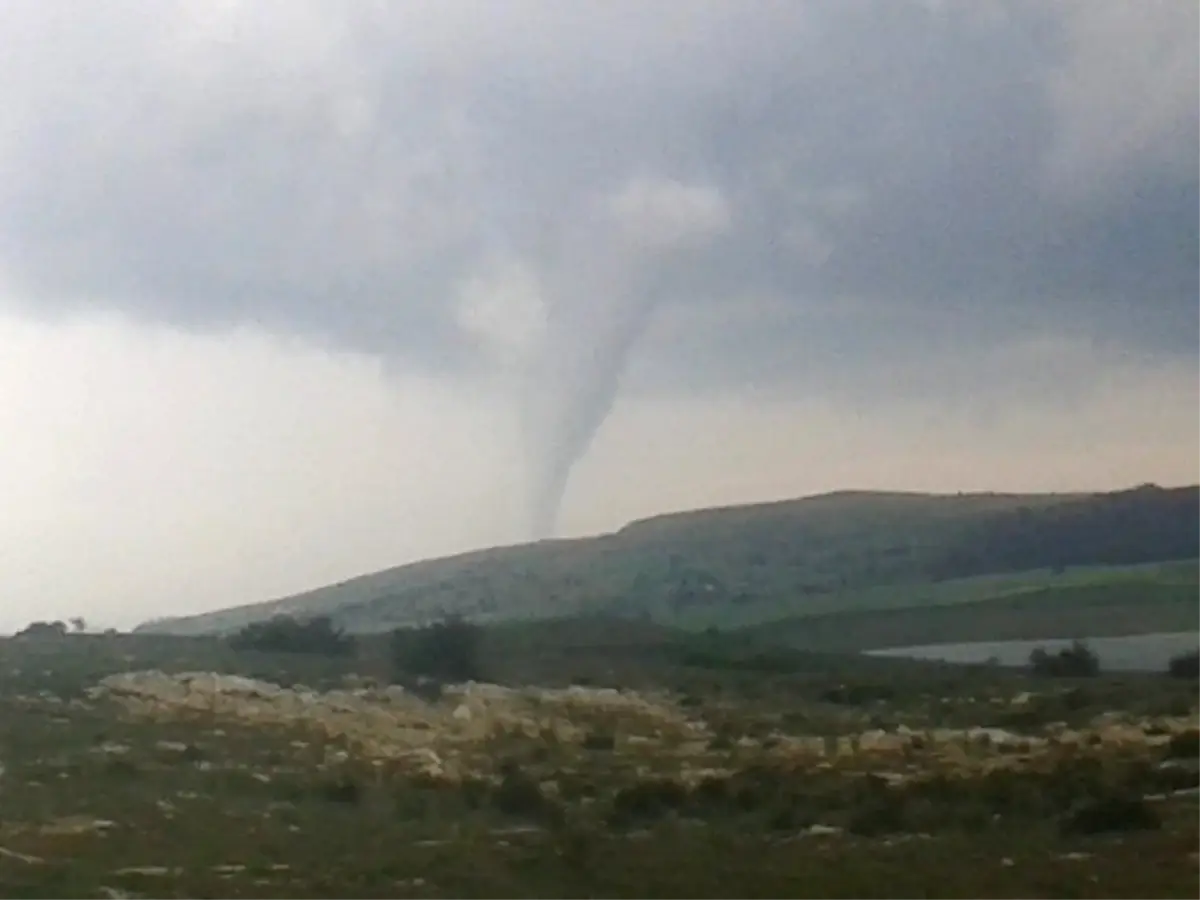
(754, 563)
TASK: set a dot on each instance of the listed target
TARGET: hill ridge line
(574, 566)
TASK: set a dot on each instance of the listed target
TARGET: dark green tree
(283, 634)
(1076, 661)
(448, 650)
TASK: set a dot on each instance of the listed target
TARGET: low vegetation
(448, 650)
(1076, 661)
(43, 630)
(718, 767)
(285, 634)
(693, 720)
(1185, 665)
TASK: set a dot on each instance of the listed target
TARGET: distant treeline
(448, 649)
(1145, 525)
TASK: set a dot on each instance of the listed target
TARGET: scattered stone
(446, 738)
(75, 825)
(115, 893)
(26, 858)
(148, 871)
(819, 830)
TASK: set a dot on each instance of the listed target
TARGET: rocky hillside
(780, 557)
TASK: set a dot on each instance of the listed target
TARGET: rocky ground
(456, 737)
(191, 784)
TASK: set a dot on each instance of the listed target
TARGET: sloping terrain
(747, 564)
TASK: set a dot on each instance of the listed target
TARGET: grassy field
(96, 803)
(1149, 584)
(1092, 602)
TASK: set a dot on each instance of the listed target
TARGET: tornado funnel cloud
(572, 393)
(603, 297)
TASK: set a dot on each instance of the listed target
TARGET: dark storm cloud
(345, 190)
(880, 175)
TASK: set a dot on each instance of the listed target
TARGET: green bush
(340, 789)
(858, 694)
(447, 650)
(603, 741)
(646, 801)
(43, 630)
(1185, 745)
(1076, 661)
(283, 634)
(518, 795)
(1185, 665)
(883, 814)
(1111, 814)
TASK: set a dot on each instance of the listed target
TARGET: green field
(1094, 602)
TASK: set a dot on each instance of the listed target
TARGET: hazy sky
(292, 290)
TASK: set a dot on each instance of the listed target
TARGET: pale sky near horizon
(294, 291)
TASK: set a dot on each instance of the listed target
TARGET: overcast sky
(291, 290)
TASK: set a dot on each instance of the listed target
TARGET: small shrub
(518, 795)
(340, 790)
(475, 792)
(600, 741)
(882, 814)
(573, 786)
(122, 768)
(1178, 706)
(43, 630)
(1111, 814)
(858, 694)
(647, 800)
(574, 845)
(184, 753)
(1076, 699)
(412, 802)
(712, 795)
(1072, 779)
(787, 818)
(445, 650)
(1185, 665)
(1171, 777)
(1006, 793)
(1185, 745)
(1076, 661)
(721, 741)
